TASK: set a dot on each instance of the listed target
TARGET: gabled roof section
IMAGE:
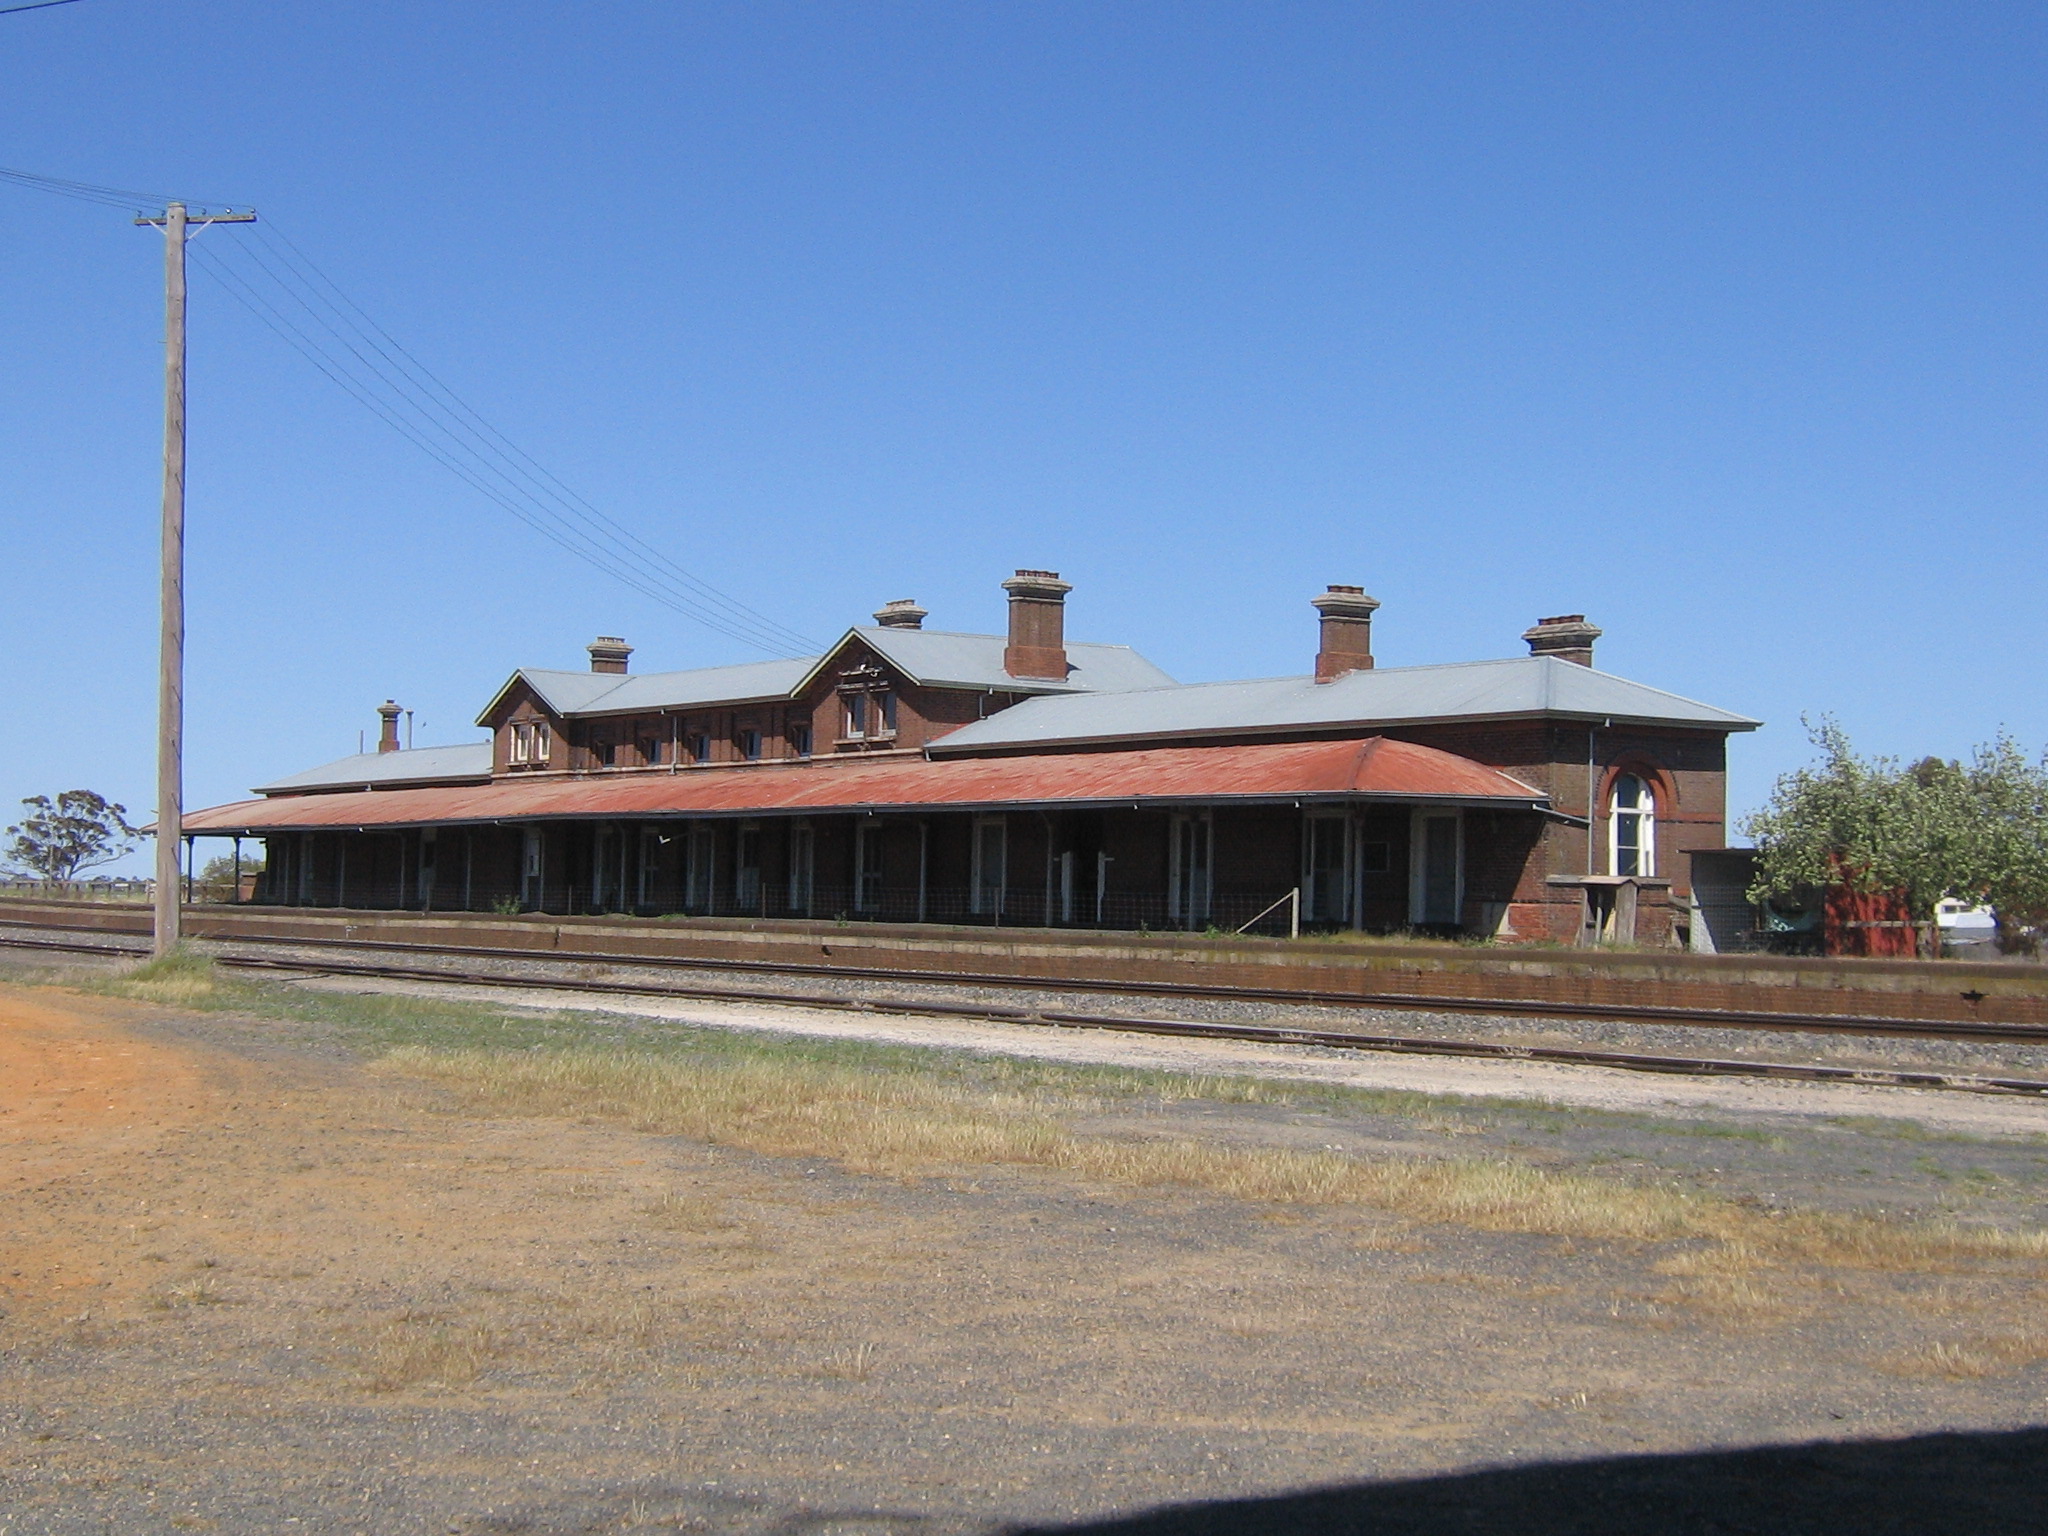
(1524, 687)
(938, 658)
(471, 761)
(610, 693)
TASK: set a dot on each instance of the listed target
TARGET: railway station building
(921, 776)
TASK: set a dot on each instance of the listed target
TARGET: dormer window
(800, 738)
(699, 746)
(1632, 827)
(531, 743)
(749, 743)
(867, 706)
(870, 716)
(607, 754)
(650, 751)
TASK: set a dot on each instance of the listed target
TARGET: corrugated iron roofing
(936, 657)
(1281, 771)
(1520, 687)
(421, 765)
(948, 660)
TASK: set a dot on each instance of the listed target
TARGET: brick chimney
(1567, 636)
(387, 738)
(901, 614)
(1347, 632)
(1038, 625)
(608, 653)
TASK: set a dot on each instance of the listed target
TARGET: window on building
(1632, 827)
(867, 863)
(650, 751)
(856, 716)
(530, 741)
(802, 865)
(1188, 882)
(746, 867)
(800, 738)
(749, 743)
(607, 753)
(700, 868)
(1436, 866)
(991, 847)
(884, 721)
(1326, 873)
(699, 744)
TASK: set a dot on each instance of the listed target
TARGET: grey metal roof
(366, 770)
(930, 656)
(609, 693)
(1522, 687)
(945, 659)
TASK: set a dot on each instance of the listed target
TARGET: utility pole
(170, 696)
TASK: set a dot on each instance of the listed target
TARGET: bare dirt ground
(251, 1284)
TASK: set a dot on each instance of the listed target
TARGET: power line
(527, 465)
(40, 5)
(278, 283)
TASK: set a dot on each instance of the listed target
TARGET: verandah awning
(1375, 769)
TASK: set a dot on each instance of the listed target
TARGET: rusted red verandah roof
(1323, 770)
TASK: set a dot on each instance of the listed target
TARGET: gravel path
(1579, 1087)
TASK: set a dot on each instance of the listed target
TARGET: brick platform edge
(1975, 997)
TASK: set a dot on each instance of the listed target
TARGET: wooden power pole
(170, 697)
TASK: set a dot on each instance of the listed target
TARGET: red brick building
(917, 775)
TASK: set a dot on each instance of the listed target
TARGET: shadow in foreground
(1978, 1484)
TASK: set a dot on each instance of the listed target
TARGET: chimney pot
(608, 653)
(1346, 631)
(903, 613)
(387, 737)
(1567, 636)
(1038, 625)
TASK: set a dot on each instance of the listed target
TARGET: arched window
(1632, 827)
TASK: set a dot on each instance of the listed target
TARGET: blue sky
(1722, 324)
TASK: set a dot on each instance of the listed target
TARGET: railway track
(1271, 1034)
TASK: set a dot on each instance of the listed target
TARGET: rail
(1273, 1034)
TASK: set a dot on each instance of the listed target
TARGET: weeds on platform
(906, 1110)
(902, 1123)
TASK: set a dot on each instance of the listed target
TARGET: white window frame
(530, 743)
(985, 897)
(651, 841)
(746, 867)
(533, 867)
(868, 869)
(803, 868)
(700, 868)
(1190, 893)
(1347, 879)
(1418, 862)
(1643, 815)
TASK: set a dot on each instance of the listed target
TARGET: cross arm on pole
(228, 217)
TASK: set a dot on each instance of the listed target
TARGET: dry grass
(179, 980)
(854, 1363)
(414, 1351)
(188, 1293)
(900, 1122)
(1970, 1359)
(677, 1212)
